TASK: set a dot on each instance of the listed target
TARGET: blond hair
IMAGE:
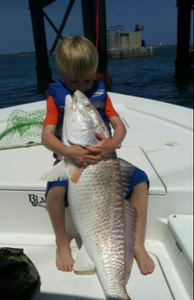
(76, 56)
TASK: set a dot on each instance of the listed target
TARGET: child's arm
(80, 156)
(107, 146)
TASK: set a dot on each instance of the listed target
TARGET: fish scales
(104, 220)
(100, 222)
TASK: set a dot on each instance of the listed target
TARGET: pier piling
(43, 71)
(183, 60)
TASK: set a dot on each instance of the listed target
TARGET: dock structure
(94, 25)
(127, 44)
(184, 56)
(43, 71)
(121, 44)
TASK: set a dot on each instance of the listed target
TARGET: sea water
(148, 77)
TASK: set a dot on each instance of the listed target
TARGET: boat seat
(181, 227)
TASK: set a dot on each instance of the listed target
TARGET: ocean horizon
(151, 77)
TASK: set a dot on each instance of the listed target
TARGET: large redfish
(104, 220)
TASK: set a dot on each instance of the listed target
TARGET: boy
(77, 61)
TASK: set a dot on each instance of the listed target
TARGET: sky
(158, 17)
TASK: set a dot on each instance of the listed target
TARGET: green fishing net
(23, 129)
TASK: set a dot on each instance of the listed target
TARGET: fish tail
(58, 172)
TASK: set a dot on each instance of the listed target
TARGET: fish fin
(75, 173)
(58, 172)
(130, 227)
(127, 171)
(83, 262)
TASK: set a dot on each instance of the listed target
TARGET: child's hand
(104, 148)
(82, 156)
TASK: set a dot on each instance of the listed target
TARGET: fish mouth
(70, 102)
(74, 98)
(78, 96)
(73, 102)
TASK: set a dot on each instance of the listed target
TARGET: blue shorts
(64, 183)
(130, 174)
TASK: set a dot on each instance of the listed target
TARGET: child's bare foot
(144, 261)
(64, 259)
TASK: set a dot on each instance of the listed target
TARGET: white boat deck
(159, 141)
(55, 283)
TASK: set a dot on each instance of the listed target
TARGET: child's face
(82, 84)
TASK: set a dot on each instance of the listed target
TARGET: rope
(97, 24)
(97, 29)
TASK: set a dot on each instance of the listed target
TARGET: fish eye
(88, 105)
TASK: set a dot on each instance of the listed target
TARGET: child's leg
(139, 200)
(56, 210)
